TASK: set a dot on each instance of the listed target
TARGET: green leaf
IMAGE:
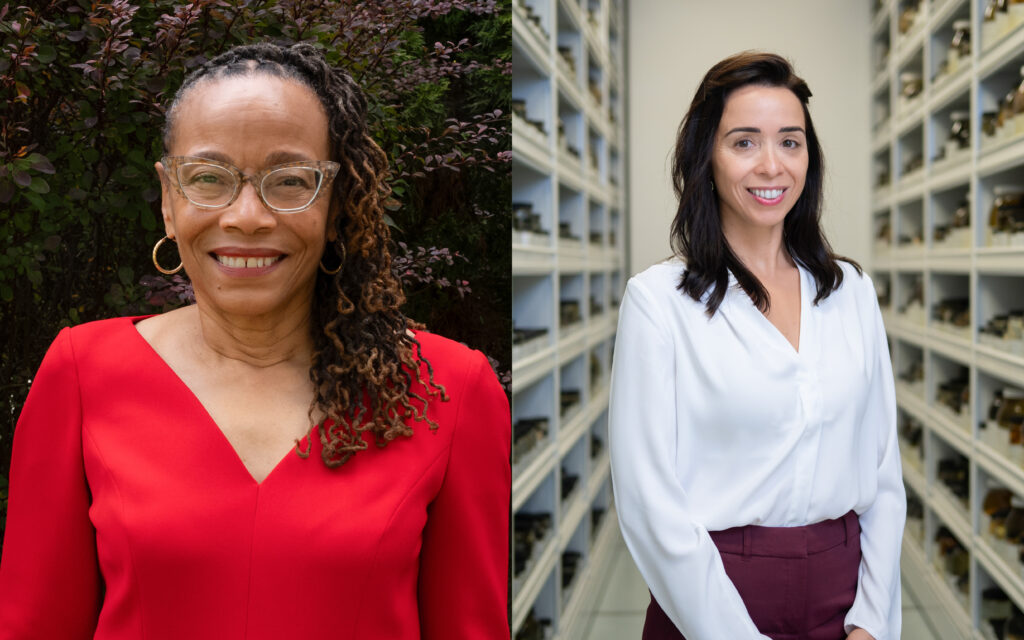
(35, 277)
(35, 199)
(46, 54)
(6, 292)
(125, 275)
(39, 185)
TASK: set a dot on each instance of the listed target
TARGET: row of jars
(1005, 226)
(527, 341)
(957, 57)
(525, 219)
(569, 312)
(527, 434)
(913, 309)
(954, 475)
(952, 560)
(1002, 525)
(1003, 618)
(568, 400)
(1004, 419)
(532, 17)
(957, 232)
(999, 19)
(1005, 332)
(952, 394)
(529, 532)
(519, 110)
(1007, 121)
(1006, 218)
(911, 435)
(952, 313)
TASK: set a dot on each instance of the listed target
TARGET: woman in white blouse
(753, 423)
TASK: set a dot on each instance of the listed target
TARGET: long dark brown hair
(364, 360)
(697, 228)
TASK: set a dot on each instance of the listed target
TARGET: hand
(859, 634)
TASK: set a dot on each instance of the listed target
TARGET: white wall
(672, 44)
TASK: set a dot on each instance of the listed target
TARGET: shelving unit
(925, 260)
(568, 259)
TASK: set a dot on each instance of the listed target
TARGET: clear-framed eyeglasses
(285, 188)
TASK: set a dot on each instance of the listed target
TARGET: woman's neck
(760, 249)
(258, 341)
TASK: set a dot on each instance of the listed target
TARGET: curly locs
(364, 358)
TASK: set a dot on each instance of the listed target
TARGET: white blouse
(721, 423)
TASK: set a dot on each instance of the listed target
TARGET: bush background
(82, 89)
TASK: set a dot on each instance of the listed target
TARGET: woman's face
(759, 160)
(252, 123)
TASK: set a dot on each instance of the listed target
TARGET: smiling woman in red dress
(285, 458)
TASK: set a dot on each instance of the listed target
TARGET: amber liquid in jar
(1008, 200)
(959, 52)
(910, 85)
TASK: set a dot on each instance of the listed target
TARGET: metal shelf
(565, 188)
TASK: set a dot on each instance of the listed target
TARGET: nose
(769, 162)
(247, 213)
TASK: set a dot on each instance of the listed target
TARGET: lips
(768, 196)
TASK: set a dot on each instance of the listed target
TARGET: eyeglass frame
(328, 168)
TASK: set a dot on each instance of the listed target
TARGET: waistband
(788, 542)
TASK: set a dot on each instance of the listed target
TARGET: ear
(166, 193)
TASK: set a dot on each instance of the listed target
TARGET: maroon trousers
(798, 583)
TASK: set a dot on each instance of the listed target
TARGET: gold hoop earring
(156, 261)
(341, 262)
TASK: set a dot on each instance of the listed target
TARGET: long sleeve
(877, 608)
(463, 584)
(675, 554)
(50, 585)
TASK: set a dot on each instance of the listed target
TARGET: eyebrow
(280, 157)
(276, 157)
(756, 130)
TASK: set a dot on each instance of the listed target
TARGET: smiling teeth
(246, 263)
(767, 194)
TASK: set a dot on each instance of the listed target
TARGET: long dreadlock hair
(364, 359)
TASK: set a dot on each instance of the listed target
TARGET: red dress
(132, 517)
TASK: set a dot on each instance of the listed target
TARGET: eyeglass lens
(286, 188)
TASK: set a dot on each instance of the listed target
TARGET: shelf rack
(568, 159)
(908, 260)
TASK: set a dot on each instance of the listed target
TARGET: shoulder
(100, 335)
(857, 284)
(451, 362)
(658, 282)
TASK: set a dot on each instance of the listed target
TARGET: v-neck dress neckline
(217, 436)
(127, 510)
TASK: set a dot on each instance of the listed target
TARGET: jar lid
(962, 24)
(957, 115)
